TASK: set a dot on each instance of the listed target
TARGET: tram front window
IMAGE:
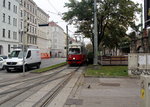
(74, 51)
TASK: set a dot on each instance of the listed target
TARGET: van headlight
(20, 63)
(4, 63)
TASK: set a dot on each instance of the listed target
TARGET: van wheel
(38, 66)
(26, 68)
(8, 70)
(3, 68)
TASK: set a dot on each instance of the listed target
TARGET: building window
(8, 33)
(3, 32)
(4, 1)
(24, 4)
(1, 49)
(35, 31)
(3, 17)
(21, 13)
(30, 39)
(14, 22)
(21, 2)
(35, 40)
(15, 9)
(9, 5)
(15, 35)
(9, 20)
(28, 6)
(9, 48)
(35, 21)
(30, 29)
(33, 10)
(21, 38)
(25, 13)
(21, 25)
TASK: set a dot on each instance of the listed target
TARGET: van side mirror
(9, 55)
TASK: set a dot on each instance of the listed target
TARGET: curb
(48, 69)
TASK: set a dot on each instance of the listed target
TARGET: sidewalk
(105, 92)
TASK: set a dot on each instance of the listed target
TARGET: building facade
(141, 44)
(58, 40)
(9, 29)
(28, 23)
(43, 41)
(23, 22)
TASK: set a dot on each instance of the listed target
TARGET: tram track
(29, 79)
(45, 80)
(52, 93)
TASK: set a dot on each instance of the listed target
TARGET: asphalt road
(45, 63)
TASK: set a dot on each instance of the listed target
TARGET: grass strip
(49, 68)
(107, 71)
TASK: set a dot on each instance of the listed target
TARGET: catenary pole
(95, 34)
(67, 40)
(23, 34)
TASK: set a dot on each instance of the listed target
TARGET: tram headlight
(74, 58)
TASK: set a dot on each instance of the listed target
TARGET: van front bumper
(17, 67)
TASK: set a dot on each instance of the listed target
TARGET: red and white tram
(77, 53)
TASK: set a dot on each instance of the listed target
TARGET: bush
(90, 57)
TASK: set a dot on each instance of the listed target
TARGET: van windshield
(74, 51)
(18, 54)
(14, 53)
(21, 54)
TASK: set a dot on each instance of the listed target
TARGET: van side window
(29, 54)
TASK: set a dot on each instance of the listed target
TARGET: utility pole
(23, 48)
(24, 33)
(95, 35)
(67, 44)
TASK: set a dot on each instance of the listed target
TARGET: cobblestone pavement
(106, 92)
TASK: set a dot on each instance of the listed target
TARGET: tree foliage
(113, 17)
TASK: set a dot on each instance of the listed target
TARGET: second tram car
(77, 54)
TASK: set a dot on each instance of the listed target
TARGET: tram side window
(74, 51)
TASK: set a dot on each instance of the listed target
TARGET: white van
(15, 61)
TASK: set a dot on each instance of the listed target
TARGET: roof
(54, 24)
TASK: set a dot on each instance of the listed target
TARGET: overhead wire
(57, 12)
(53, 7)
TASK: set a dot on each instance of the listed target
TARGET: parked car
(4, 57)
(2, 61)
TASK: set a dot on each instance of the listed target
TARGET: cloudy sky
(55, 7)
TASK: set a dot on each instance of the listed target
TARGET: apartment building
(28, 23)
(9, 33)
(43, 42)
(58, 40)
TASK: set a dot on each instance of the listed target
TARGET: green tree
(114, 18)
